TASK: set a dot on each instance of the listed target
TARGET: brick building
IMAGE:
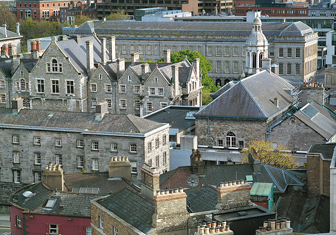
(273, 11)
(69, 13)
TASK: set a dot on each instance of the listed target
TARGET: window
(2, 84)
(235, 67)
(122, 88)
(160, 91)
(218, 51)
(209, 51)
(137, 89)
(93, 102)
(297, 69)
(94, 145)
(163, 104)
(149, 146)
(241, 143)
(227, 67)
(58, 159)
(37, 157)
(16, 157)
(95, 165)
(115, 230)
(79, 143)
(55, 86)
(54, 66)
(93, 87)
(40, 85)
(281, 71)
(18, 221)
(15, 139)
(137, 104)
(58, 142)
(151, 91)
(80, 161)
(280, 52)
(220, 142)
(70, 87)
(134, 169)
(123, 104)
(37, 176)
(164, 140)
(164, 157)
(289, 68)
(108, 88)
(227, 51)
(133, 148)
(289, 52)
(3, 98)
(231, 140)
(88, 231)
(101, 222)
(218, 66)
(149, 107)
(53, 228)
(271, 51)
(109, 103)
(235, 51)
(157, 161)
(114, 147)
(37, 140)
(16, 176)
(150, 162)
(297, 52)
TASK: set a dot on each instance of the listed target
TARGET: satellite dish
(193, 181)
(28, 194)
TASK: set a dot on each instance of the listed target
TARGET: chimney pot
(135, 57)
(226, 184)
(233, 182)
(176, 190)
(181, 190)
(238, 182)
(227, 228)
(18, 28)
(288, 223)
(167, 191)
(212, 230)
(230, 183)
(222, 229)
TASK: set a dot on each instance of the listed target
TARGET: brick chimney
(175, 78)
(38, 45)
(276, 102)
(89, 57)
(233, 194)
(32, 45)
(17, 105)
(170, 208)
(196, 64)
(135, 57)
(166, 56)
(150, 182)
(101, 110)
(53, 177)
(103, 51)
(120, 167)
(112, 48)
(196, 162)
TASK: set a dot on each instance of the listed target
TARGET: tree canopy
(205, 65)
(279, 157)
(119, 15)
(7, 17)
(82, 19)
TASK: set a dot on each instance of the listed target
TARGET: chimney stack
(101, 110)
(312, 91)
(53, 177)
(17, 105)
(166, 56)
(15, 63)
(89, 57)
(135, 57)
(275, 69)
(276, 101)
(11, 49)
(120, 66)
(77, 38)
(4, 49)
(120, 167)
(196, 162)
(266, 64)
(4, 30)
(175, 78)
(196, 64)
(32, 45)
(112, 48)
(18, 28)
(103, 51)
(38, 45)
(62, 38)
(150, 181)
(144, 69)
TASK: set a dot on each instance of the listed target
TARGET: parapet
(231, 186)
(169, 194)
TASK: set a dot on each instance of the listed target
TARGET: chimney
(170, 208)
(135, 57)
(166, 56)
(101, 110)
(120, 167)
(62, 38)
(144, 69)
(34, 54)
(175, 78)
(275, 69)
(4, 30)
(17, 105)
(312, 91)
(18, 28)
(32, 45)
(112, 48)
(253, 159)
(282, 227)
(77, 38)
(266, 64)
(4, 49)
(196, 64)
(11, 49)
(238, 189)
(38, 45)
(89, 57)
(150, 179)
(197, 163)
(103, 51)
(120, 66)
(276, 101)
(15, 63)
(53, 177)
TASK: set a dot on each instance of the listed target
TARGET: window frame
(58, 159)
(93, 87)
(123, 104)
(40, 86)
(56, 86)
(37, 158)
(95, 164)
(15, 139)
(17, 176)
(122, 88)
(133, 148)
(79, 143)
(95, 145)
(80, 161)
(114, 147)
(280, 52)
(108, 88)
(70, 87)
(37, 176)
(58, 142)
(18, 222)
(16, 156)
(37, 140)
(56, 229)
(101, 222)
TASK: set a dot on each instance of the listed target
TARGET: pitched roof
(296, 29)
(131, 207)
(224, 88)
(327, 150)
(252, 97)
(81, 121)
(319, 118)
(203, 199)
(10, 34)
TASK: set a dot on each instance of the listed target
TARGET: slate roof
(203, 199)
(131, 207)
(224, 88)
(319, 118)
(29, 63)
(10, 34)
(81, 121)
(190, 29)
(327, 150)
(5, 66)
(252, 97)
(96, 180)
(41, 192)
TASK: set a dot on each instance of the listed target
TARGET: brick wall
(318, 176)
(233, 196)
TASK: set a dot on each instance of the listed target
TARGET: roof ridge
(132, 122)
(272, 177)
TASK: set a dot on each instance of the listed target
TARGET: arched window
(54, 65)
(22, 84)
(231, 140)
(218, 82)
(254, 55)
(260, 58)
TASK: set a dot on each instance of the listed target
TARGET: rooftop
(327, 150)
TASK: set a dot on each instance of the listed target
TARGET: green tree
(82, 19)
(7, 17)
(279, 157)
(205, 65)
(119, 15)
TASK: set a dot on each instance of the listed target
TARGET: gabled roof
(296, 29)
(319, 118)
(252, 97)
(5, 67)
(224, 88)
(131, 207)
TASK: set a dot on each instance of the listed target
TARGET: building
(9, 38)
(40, 10)
(163, 16)
(69, 13)
(291, 45)
(332, 193)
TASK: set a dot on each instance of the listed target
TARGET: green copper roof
(261, 189)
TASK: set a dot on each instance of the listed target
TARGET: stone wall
(295, 134)
(233, 196)
(6, 190)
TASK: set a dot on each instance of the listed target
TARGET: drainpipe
(9, 100)
(87, 97)
(115, 97)
(208, 130)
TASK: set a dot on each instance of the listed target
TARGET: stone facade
(233, 194)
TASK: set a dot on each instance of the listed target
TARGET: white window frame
(164, 158)
(93, 102)
(93, 87)
(37, 176)
(159, 93)
(101, 222)
(2, 98)
(18, 221)
(134, 169)
(108, 88)
(122, 88)
(149, 107)
(37, 140)
(2, 84)
(114, 147)
(109, 102)
(53, 229)
(95, 165)
(151, 89)
(17, 176)
(137, 104)
(136, 89)
(123, 104)
(70, 86)
(58, 142)
(115, 230)
(95, 145)
(58, 159)
(80, 161)
(40, 86)
(57, 86)
(16, 157)
(80, 143)
(15, 139)
(37, 158)
(157, 161)
(164, 139)
(133, 148)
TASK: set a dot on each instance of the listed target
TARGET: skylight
(50, 203)
(310, 111)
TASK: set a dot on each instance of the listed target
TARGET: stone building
(293, 46)
(77, 141)
(8, 38)
(76, 74)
